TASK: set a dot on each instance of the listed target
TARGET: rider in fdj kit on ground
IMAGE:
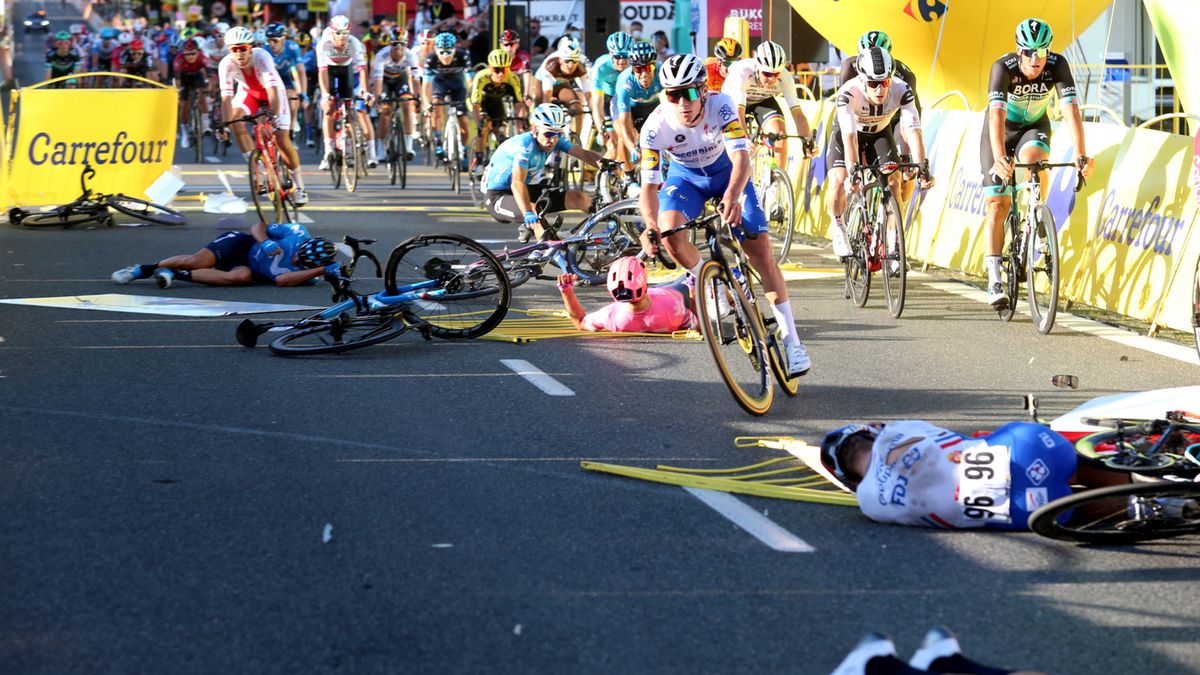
(867, 108)
(285, 255)
(754, 83)
(605, 73)
(513, 175)
(445, 82)
(709, 152)
(636, 307)
(392, 78)
(258, 84)
(636, 97)
(1019, 91)
(342, 70)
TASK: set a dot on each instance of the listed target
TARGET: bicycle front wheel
(895, 259)
(453, 148)
(337, 336)
(1041, 270)
(1121, 514)
(735, 335)
(858, 272)
(614, 230)
(145, 210)
(66, 216)
(472, 293)
(263, 189)
(780, 207)
(350, 155)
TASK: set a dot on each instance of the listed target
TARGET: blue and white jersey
(289, 237)
(288, 57)
(521, 150)
(631, 93)
(605, 74)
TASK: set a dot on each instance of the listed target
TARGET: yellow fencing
(128, 135)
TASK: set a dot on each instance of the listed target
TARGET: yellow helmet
(727, 49)
(499, 58)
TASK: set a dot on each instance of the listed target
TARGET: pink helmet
(627, 279)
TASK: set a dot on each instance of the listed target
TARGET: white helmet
(770, 57)
(220, 29)
(339, 22)
(682, 70)
(125, 38)
(239, 35)
(875, 64)
(567, 43)
(551, 116)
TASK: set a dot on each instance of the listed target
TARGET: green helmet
(1034, 34)
(875, 38)
(62, 36)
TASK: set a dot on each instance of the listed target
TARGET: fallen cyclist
(636, 307)
(281, 254)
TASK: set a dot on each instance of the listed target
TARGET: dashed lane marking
(539, 379)
(759, 526)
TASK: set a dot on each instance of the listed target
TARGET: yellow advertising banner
(241, 7)
(127, 135)
(944, 132)
(1173, 21)
(319, 6)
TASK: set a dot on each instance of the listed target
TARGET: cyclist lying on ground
(636, 308)
(913, 473)
(285, 255)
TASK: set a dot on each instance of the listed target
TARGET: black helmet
(275, 30)
(316, 252)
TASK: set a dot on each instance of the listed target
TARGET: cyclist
(488, 91)
(253, 71)
(702, 135)
(726, 52)
(562, 79)
(285, 255)
(867, 108)
(290, 65)
(341, 60)
(1019, 91)
(636, 307)
(511, 43)
(636, 97)
(391, 79)
(445, 82)
(514, 175)
(754, 84)
(605, 73)
(63, 60)
(135, 60)
(191, 67)
(102, 50)
(308, 57)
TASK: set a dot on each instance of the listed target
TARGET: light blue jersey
(521, 150)
(631, 93)
(605, 74)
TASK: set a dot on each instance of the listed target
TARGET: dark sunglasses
(879, 84)
(690, 93)
(551, 135)
(508, 44)
(275, 39)
(768, 76)
(1033, 53)
(238, 49)
(500, 71)
(648, 68)
(445, 52)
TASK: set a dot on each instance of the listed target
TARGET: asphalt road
(177, 503)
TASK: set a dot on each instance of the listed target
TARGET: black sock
(144, 271)
(890, 665)
(961, 664)
(183, 275)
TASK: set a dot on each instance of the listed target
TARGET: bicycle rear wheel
(337, 335)
(263, 189)
(858, 273)
(615, 229)
(64, 216)
(194, 125)
(1041, 270)
(735, 336)
(1107, 515)
(780, 207)
(145, 210)
(895, 259)
(472, 294)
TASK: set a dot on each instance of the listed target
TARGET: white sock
(246, 156)
(695, 269)
(298, 179)
(328, 146)
(787, 324)
(992, 263)
(838, 221)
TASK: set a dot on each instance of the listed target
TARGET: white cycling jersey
(856, 111)
(384, 66)
(697, 147)
(744, 87)
(213, 52)
(351, 54)
(260, 76)
(928, 476)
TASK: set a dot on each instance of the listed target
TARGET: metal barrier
(950, 94)
(1084, 109)
(1133, 92)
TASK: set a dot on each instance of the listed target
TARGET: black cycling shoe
(524, 234)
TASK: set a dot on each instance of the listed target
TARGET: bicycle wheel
(263, 189)
(735, 336)
(453, 147)
(1041, 270)
(1132, 448)
(399, 132)
(66, 216)
(895, 259)
(1009, 266)
(350, 138)
(472, 293)
(194, 125)
(780, 207)
(572, 168)
(1121, 514)
(858, 272)
(145, 210)
(338, 335)
(392, 156)
(613, 232)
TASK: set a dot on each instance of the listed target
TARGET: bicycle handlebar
(1041, 165)
(248, 119)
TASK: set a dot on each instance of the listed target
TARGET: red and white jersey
(351, 54)
(856, 111)
(929, 477)
(260, 76)
(718, 131)
(743, 86)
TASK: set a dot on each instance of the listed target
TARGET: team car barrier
(1128, 238)
(127, 134)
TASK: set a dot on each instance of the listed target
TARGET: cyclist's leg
(458, 94)
(771, 121)
(997, 203)
(290, 156)
(1034, 145)
(835, 193)
(243, 105)
(680, 200)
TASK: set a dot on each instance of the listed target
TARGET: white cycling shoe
(798, 362)
(841, 247)
(872, 646)
(997, 298)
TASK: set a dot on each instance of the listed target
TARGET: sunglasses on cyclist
(768, 75)
(275, 39)
(690, 93)
(445, 52)
(508, 44)
(500, 71)
(1033, 53)
(550, 135)
(341, 33)
(879, 84)
(239, 49)
(648, 68)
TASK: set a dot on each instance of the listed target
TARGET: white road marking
(1080, 324)
(759, 526)
(539, 379)
(327, 534)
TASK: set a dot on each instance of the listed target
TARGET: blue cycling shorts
(1041, 466)
(686, 190)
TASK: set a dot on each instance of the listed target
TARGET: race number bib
(984, 484)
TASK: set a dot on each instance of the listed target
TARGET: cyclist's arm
(787, 86)
(298, 277)
(848, 122)
(588, 156)
(625, 130)
(998, 83)
(520, 190)
(574, 308)
(738, 177)
(597, 97)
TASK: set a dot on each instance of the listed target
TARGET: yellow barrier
(128, 135)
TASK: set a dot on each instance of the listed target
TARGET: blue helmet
(445, 41)
(642, 54)
(109, 34)
(618, 44)
(275, 30)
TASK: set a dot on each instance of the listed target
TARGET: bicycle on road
(773, 186)
(396, 153)
(349, 161)
(443, 285)
(271, 184)
(93, 207)
(452, 146)
(1032, 251)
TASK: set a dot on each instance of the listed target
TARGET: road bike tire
(1109, 521)
(262, 189)
(330, 336)
(349, 154)
(572, 167)
(621, 224)
(1009, 266)
(895, 260)
(452, 145)
(858, 272)
(194, 124)
(1041, 270)
(477, 289)
(64, 216)
(736, 339)
(392, 158)
(399, 133)
(145, 210)
(1126, 449)
(781, 211)
(790, 385)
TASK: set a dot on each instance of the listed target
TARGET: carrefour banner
(127, 135)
